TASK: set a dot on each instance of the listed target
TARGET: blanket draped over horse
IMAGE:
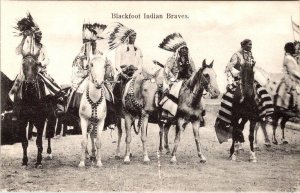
(225, 115)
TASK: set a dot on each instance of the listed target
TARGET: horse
(272, 86)
(33, 105)
(140, 102)
(244, 110)
(92, 109)
(190, 109)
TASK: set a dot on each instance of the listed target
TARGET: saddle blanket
(170, 101)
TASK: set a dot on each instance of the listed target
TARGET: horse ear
(211, 64)
(204, 63)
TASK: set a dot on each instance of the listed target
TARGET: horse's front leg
(282, 125)
(251, 139)
(266, 136)
(39, 124)
(118, 152)
(98, 142)
(161, 134)
(144, 137)
(22, 135)
(196, 125)
(128, 122)
(166, 134)
(84, 125)
(49, 150)
(274, 125)
(179, 129)
(92, 137)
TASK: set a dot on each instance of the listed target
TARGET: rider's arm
(43, 59)
(293, 70)
(140, 58)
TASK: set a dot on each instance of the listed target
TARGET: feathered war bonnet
(173, 43)
(117, 33)
(26, 26)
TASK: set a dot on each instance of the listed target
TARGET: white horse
(92, 110)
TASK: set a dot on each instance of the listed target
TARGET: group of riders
(129, 62)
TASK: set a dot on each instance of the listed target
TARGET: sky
(212, 31)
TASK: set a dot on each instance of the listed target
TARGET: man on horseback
(179, 67)
(289, 87)
(31, 46)
(239, 59)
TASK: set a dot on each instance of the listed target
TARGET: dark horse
(244, 110)
(32, 105)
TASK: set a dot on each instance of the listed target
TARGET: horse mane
(193, 79)
(247, 80)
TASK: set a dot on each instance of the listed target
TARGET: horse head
(30, 68)
(208, 77)
(97, 70)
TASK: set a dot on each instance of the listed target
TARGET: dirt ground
(277, 168)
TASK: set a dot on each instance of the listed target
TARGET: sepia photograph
(150, 96)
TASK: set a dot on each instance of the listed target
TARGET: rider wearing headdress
(31, 45)
(80, 63)
(178, 67)
(129, 57)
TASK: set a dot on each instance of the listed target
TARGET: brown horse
(190, 109)
(32, 105)
(140, 101)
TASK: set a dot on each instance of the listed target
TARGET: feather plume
(172, 42)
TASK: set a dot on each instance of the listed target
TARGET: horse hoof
(285, 142)
(49, 157)
(275, 142)
(268, 145)
(173, 160)
(38, 166)
(127, 160)
(117, 157)
(93, 158)
(253, 160)
(99, 164)
(146, 160)
(233, 157)
(130, 155)
(256, 148)
(202, 161)
(81, 164)
(24, 167)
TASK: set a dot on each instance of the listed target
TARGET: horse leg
(241, 127)
(118, 152)
(234, 146)
(274, 125)
(128, 123)
(251, 139)
(144, 138)
(98, 142)
(264, 128)
(256, 147)
(179, 129)
(84, 125)
(39, 124)
(196, 126)
(22, 132)
(282, 125)
(161, 133)
(166, 130)
(93, 156)
(49, 150)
